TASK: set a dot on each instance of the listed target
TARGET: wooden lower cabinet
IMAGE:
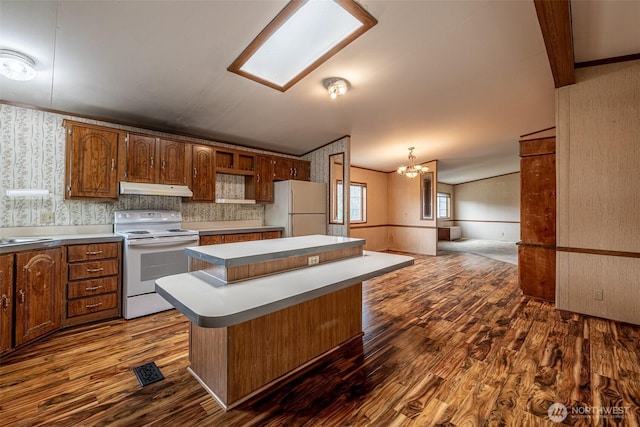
(218, 239)
(271, 235)
(242, 237)
(38, 294)
(6, 303)
(93, 288)
(537, 271)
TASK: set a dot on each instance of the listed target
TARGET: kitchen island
(251, 334)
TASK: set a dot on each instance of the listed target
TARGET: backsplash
(32, 155)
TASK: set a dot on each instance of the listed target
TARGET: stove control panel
(139, 216)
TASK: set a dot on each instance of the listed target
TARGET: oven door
(146, 260)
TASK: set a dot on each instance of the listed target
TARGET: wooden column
(537, 248)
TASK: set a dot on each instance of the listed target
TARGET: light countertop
(214, 304)
(61, 240)
(243, 253)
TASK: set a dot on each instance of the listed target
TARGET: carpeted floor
(501, 251)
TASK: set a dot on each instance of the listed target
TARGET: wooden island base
(237, 362)
(304, 302)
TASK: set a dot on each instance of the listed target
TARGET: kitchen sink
(21, 240)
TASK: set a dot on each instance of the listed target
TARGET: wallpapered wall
(320, 173)
(32, 156)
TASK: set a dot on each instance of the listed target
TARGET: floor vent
(148, 374)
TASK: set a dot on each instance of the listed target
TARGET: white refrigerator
(298, 206)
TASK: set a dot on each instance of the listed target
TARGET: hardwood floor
(448, 342)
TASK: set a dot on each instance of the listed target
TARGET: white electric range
(153, 248)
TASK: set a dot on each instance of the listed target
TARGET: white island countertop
(243, 253)
(214, 304)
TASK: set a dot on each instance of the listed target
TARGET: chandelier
(412, 170)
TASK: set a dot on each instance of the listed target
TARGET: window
(444, 205)
(357, 202)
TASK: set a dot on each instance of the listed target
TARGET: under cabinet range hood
(155, 189)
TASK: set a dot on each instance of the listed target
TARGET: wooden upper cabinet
(142, 158)
(93, 164)
(153, 160)
(235, 162)
(6, 302)
(172, 162)
(38, 294)
(264, 179)
(285, 168)
(302, 170)
(282, 168)
(203, 176)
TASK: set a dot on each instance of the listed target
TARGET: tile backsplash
(32, 156)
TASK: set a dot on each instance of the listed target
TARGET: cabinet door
(38, 294)
(91, 162)
(283, 169)
(172, 162)
(142, 159)
(6, 302)
(264, 179)
(538, 199)
(242, 237)
(203, 173)
(271, 235)
(215, 239)
(302, 170)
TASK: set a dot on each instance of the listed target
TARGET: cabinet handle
(290, 171)
(113, 164)
(164, 162)
(257, 177)
(93, 253)
(21, 292)
(195, 172)
(94, 270)
(93, 288)
(295, 171)
(151, 161)
(93, 305)
(5, 302)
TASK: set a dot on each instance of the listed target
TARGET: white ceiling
(459, 80)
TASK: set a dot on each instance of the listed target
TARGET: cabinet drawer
(87, 270)
(87, 288)
(91, 305)
(92, 251)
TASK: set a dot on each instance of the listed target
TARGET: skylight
(299, 39)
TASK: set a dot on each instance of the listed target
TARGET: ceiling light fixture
(412, 170)
(16, 66)
(301, 37)
(336, 86)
